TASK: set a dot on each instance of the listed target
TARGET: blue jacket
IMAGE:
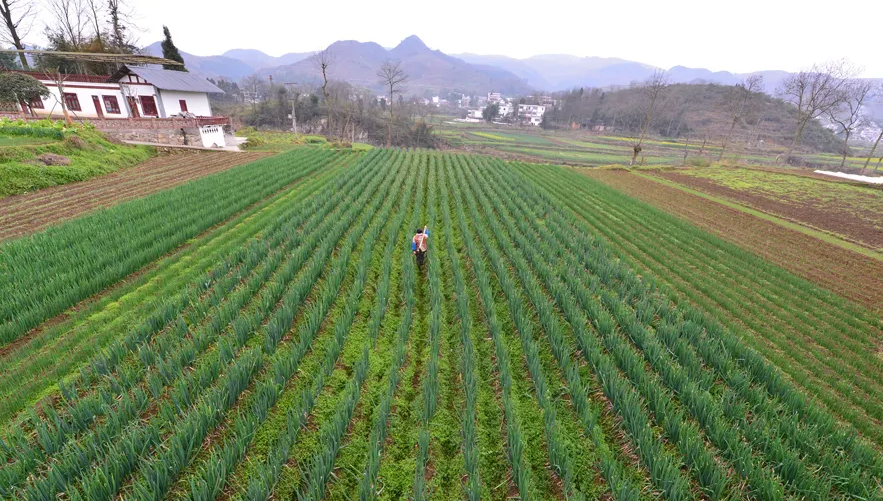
(414, 244)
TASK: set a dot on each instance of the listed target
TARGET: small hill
(428, 70)
(692, 110)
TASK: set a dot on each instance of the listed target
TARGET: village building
(139, 104)
(531, 113)
(129, 93)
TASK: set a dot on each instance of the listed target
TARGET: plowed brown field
(848, 273)
(850, 221)
(30, 212)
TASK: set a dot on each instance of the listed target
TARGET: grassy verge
(89, 152)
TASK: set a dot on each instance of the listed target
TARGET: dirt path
(30, 212)
(843, 223)
(847, 273)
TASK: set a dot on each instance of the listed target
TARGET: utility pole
(293, 105)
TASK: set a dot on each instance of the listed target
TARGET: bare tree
(17, 17)
(738, 104)
(58, 78)
(849, 114)
(71, 21)
(393, 78)
(94, 9)
(130, 97)
(814, 92)
(322, 61)
(879, 94)
(651, 94)
(873, 149)
(253, 90)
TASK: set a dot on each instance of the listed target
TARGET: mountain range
(432, 70)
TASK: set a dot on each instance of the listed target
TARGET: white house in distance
(532, 113)
(129, 93)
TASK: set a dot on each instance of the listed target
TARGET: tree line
(331, 106)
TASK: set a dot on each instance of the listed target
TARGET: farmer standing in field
(418, 244)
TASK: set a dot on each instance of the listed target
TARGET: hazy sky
(738, 36)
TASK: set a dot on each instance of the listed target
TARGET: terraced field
(273, 339)
(30, 212)
(855, 276)
(591, 149)
(849, 210)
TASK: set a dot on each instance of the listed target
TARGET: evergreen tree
(169, 51)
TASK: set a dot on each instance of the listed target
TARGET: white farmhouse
(130, 93)
(161, 93)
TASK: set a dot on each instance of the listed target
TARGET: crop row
(44, 274)
(52, 431)
(159, 293)
(241, 332)
(739, 290)
(803, 437)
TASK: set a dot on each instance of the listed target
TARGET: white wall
(212, 136)
(52, 105)
(197, 102)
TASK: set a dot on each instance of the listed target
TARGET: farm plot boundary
(30, 212)
(852, 275)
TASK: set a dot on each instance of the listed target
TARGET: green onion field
(265, 333)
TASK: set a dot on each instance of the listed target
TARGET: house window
(72, 101)
(183, 104)
(36, 103)
(111, 104)
(148, 104)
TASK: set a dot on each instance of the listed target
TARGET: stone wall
(181, 136)
(171, 131)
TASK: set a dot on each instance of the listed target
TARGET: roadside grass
(6, 141)
(279, 141)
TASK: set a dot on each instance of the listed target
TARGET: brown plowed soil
(847, 273)
(30, 212)
(842, 223)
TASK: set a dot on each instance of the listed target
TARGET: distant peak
(411, 44)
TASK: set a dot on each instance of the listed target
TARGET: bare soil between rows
(850, 274)
(843, 223)
(24, 214)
